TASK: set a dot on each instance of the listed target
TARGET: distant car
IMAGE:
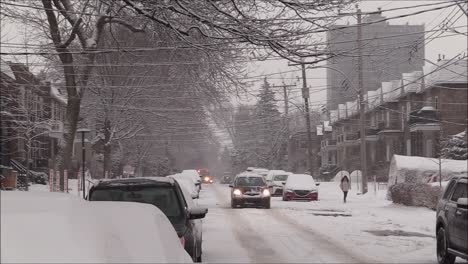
(164, 193)
(227, 178)
(300, 187)
(261, 171)
(276, 180)
(207, 179)
(250, 188)
(194, 176)
(452, 221)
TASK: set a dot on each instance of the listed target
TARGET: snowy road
(264, 236)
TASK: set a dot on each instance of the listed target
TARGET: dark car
(164, 193)
(452, 221)
(249, 188)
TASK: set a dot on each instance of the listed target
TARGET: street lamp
(83, 157)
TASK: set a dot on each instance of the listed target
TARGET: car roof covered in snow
(249, 174)
(135, 181)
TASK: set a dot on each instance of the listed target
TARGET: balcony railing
(425, 115)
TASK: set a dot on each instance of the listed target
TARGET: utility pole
(305, 95)
(362, 106)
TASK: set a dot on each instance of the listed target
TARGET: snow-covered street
(366, 229)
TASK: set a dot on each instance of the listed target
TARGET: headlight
(289, 190)
(266, 192)
(237, 192)
(207, 179)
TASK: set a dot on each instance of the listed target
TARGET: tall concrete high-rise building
(387, 52)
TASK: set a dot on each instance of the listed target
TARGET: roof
(446, 71)
(6, 69)
(135, 181)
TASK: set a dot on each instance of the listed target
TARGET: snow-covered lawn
(369, 224)
(43, 227)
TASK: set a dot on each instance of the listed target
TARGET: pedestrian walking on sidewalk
(345, 186)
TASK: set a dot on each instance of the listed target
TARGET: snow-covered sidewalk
(370, 224)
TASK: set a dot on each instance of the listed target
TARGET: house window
(408, 110)
(436, 102)
(387, 152)
(403, 113)
(387, 120)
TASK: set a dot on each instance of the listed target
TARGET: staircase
(23, 172)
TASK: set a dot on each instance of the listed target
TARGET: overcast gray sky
(448, 45)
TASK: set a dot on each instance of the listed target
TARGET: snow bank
(422, 170)
(60, 228)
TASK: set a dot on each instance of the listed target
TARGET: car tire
(233, 204)
(267, 204)
(443, 256)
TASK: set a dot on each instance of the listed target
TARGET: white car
(276, 180)
(187, 184)
(300, 187)
(38, 224)
(260, 171)
(194, 176)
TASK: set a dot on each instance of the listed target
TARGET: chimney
(443, 57)
(439, 59)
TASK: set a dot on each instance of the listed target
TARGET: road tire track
(253, 243)
(326, 243)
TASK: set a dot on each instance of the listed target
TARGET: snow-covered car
(452, 221)
(164, 193)
(186, 183)
(250, 188)
(194, 176)
(276, 180)
(300, 187)
(260, 171)
(44, 227)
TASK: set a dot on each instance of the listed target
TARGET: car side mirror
(197, 213)
(283, 183)
(462, 203)
(194, 196)
(317, 184)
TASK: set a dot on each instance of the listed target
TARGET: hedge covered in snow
(415, 194)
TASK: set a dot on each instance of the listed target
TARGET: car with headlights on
(250, 189)
(300, 187)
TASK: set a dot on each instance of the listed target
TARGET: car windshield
(250, 181)
(164, 198)
(280, 177)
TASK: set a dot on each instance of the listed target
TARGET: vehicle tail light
(182, 240)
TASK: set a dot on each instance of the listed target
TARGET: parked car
(300, 187)
(250, 188)
(452, 221)
(96, 232)
(187, 184)
(194, 176)
(164, 193)
(276, 180)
